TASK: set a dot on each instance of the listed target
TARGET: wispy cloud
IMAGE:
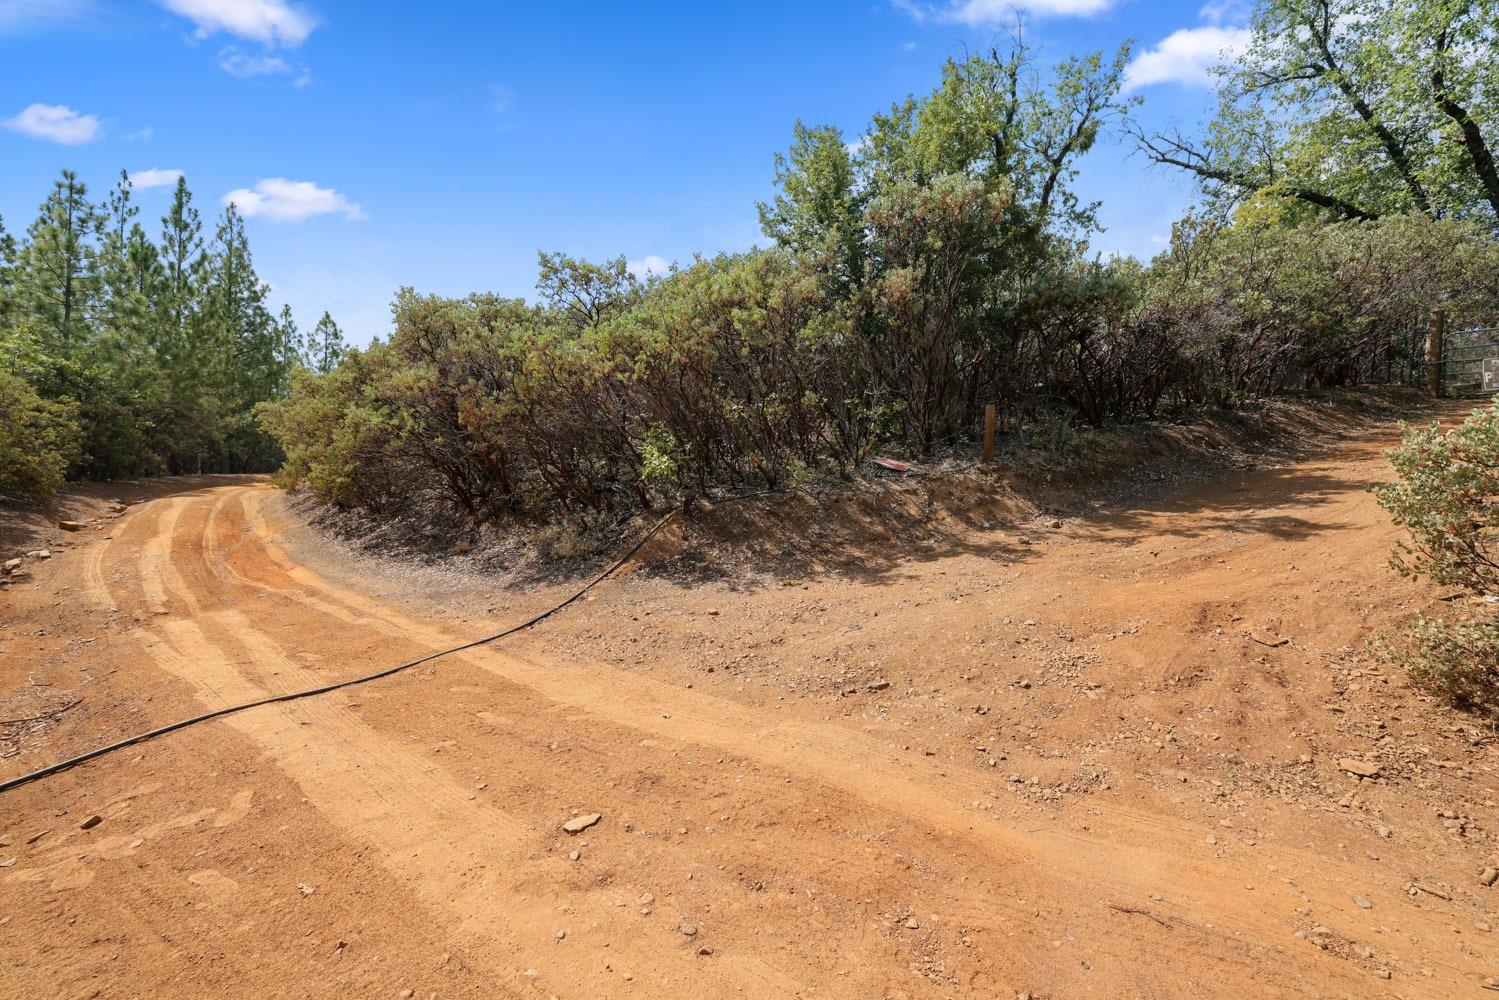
(18, 14)
(648, 266)
(282, 200)
(236, 63)
(1226, 11)
(56, 123)
(918, 11)
(244, 66)
(980, 13)
(270, 22)
(154, 178)
(1186, 56)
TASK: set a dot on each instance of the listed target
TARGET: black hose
(52, 769)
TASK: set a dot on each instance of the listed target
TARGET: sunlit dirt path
(1108, 765)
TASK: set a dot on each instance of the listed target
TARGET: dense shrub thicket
(1447, 499)
(935, 266)
(125, 356)
(36, 438)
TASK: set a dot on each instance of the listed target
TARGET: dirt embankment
(982, 740)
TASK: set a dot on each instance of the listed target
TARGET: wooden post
(1434, 334)
(989, 433)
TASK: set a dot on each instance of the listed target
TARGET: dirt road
(1105, 757)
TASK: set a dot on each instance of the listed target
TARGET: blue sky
(378, 144)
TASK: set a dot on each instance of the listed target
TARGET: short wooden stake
(989, 433)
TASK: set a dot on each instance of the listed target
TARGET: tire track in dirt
(207, 570)
(888, 780)
(838, 823)
(196, 554)
(789, 744)
(122, 885)
(452, 849)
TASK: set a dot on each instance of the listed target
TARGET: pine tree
(289, 343)
(190, 415)
(325, 346)
(238, 327)
(60, 280)
(127, 266)
(154, 356)
(8, 274)
(182, 259)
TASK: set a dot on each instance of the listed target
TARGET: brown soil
(982, 747)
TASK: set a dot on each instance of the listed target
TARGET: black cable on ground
(16, 782)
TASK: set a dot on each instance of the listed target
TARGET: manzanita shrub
(940, 264)
(1447, 499)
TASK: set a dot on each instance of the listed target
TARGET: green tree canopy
(132, 357)
(1357, 109)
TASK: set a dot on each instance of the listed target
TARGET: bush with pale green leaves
(1447, 499)
(39, 439)
(937, 267)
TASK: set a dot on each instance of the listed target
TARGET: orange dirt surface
(1108, 755)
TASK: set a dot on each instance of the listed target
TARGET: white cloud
(144, 135)
(1186, 56)
(154, 178)
(270, 22)
(917, 11)
(281, 200)
(55, 123)
(979, 13)
(1225, 11)
(649, 265)
(236, 63)
(21, 13)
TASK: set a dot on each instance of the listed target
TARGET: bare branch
(1175, 152)
(1473, 141)
(1321, 32)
